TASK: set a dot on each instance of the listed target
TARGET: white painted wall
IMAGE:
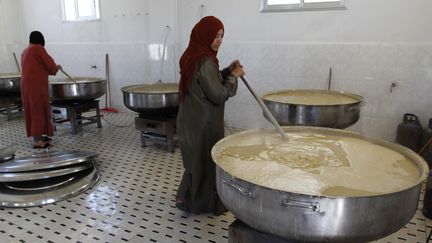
(391, 21)
(369, 46)
(11, 27)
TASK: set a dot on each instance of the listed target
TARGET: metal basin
(10, 83)
(152, 99)
(320, 108)
(84, 89)
(265, 204)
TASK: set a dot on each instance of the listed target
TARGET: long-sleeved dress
(200, 124)
(36, 66)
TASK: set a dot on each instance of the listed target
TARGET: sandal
(44, 146)
(46, 139)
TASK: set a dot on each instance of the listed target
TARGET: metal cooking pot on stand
(10, 83)
(333, 115)
(84, 88)
(152, 99)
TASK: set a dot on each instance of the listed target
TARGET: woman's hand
(233, 65)
(59, 67)
(236, 69)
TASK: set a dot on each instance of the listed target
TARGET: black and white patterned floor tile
(134, 198)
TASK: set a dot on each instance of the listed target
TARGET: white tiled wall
(366, 69)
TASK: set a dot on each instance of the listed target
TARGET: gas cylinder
(426, 153)
(409, 132)
(427, 198)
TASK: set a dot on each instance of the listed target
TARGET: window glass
(301, 5)
(80, 10)
(276, 2)
(85, 8)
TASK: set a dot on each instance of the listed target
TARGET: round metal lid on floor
(46, 191)
(45, 177)
(7, 153)
(44, 174)
(46, 160)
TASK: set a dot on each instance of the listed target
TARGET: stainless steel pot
(84, 89)
(10, 83)
(335, 115)
(307, 217)
(152, 99)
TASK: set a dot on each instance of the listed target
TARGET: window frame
(294, 7)
(94, 17)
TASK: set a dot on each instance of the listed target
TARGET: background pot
(10, 83)
(83, 89)
(333, 115)
(152, 99)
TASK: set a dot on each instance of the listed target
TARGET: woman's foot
(182, 205)
(46, 138)
(41, 145)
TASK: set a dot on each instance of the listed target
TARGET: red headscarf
(201, 38)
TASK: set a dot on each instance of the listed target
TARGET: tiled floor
(134, 199)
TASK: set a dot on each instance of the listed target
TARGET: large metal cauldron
(320, 108)
(10, 83)
(152, 99)
(314, 217)
(84, 89)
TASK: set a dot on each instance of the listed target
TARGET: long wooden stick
(67, 75)
(265, 109)
(16, 62)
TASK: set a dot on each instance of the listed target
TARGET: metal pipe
(108, 93)
(16, 61)
(265, 109)
(330, 79)
(163, 53)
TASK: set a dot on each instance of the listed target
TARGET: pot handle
(242, 189)
(313, 206)
(362, 103)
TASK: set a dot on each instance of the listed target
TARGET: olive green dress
(200, 124)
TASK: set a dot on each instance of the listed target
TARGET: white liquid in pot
(79, 80)
(304, 97)
(316, 164)
(10, 75)
(153, 88)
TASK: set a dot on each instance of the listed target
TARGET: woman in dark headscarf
(36, 66)
(200, 122)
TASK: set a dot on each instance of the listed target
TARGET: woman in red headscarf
(36, 66)
(200, 121)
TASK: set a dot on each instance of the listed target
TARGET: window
(301, 5)
(80, 10)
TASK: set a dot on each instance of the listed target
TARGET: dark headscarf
(36, 37)
(201, 38)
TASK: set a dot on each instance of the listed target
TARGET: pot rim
(422, 165)
(80, 80)
(10, 75)
(124, 89)
(360, 99)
